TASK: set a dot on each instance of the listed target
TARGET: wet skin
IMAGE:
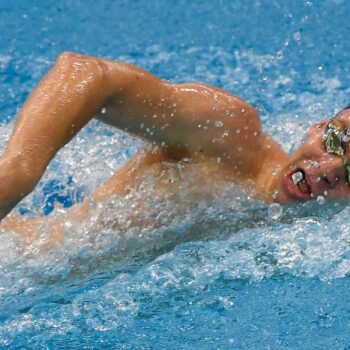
(325, 173)
(202, 123)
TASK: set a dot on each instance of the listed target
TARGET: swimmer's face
(320, 166)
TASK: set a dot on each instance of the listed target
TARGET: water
(216, 274)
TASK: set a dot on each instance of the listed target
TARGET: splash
(133, 260)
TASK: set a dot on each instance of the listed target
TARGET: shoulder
(217, 103)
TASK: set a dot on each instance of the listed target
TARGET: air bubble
(103, 110)
(219, 124)
(275, 211)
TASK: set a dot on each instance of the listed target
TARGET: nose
(331, 173)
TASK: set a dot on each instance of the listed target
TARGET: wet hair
(343, 109)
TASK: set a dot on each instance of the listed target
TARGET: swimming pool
(213, 276)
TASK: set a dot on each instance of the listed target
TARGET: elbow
(68, 57)
(77, 64)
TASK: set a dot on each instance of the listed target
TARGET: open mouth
(297, 184)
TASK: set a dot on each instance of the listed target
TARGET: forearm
(64, 101)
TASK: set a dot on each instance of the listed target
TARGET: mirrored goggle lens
(333, 141)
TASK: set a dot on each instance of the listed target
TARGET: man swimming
(205, 124)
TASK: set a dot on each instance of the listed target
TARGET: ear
(315, 128)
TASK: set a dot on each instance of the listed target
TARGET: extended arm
(188, 120)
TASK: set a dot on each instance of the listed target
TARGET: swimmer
(202, 123)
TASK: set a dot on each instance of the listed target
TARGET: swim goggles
(334, 139)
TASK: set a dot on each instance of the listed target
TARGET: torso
(152, 183)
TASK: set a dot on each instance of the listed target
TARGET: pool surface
(230, 273)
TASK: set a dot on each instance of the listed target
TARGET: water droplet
(216, 105)
(321, 200)
(275, 211)
(315, 165)
(280, 54)
(296, 36)
(260, 107)
(103, 110)
(219, 123)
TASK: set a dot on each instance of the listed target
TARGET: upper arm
(190, 119)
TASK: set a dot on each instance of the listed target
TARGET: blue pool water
(218, 275)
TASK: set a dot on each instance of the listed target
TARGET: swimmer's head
(321, 165)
